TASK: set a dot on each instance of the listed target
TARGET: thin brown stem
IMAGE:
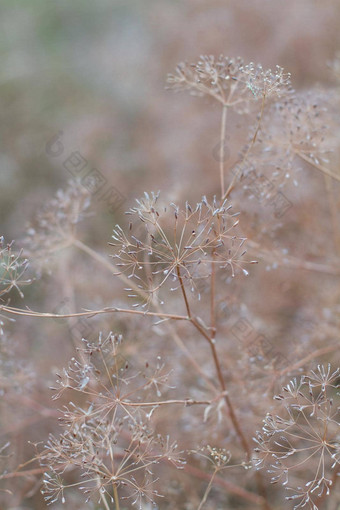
(316, 165)
(186, 402)
(293, 262)
(334, 479)
(302, 362)
(220, 481)
(217, 364)
(183, 291)
(208, 489)
(89, 313)
(212, 298)
(231, 412)
(28, 472)
(107, 264)
(115, 496)
(236, 175)
(222, 147)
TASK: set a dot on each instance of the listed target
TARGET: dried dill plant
(18, 379)
(110, 446)
(294, 132)
(17, 376)
(235, 85)
(229, 80)
(12, 268)
(177, 245)
(303, 441)
(108, 439)
(55, 225)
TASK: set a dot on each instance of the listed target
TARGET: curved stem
(217, 364)
(230, 408)
(208, 489)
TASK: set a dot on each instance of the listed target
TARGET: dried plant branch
(225, 484)
(318, 166)
(89, 313)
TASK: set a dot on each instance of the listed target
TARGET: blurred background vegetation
(96, 71)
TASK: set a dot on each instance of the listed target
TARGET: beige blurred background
(96, 72)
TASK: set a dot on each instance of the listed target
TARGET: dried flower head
(200, 236)
(218, 457)
(296, 127)
(303, 442)
(12, 268)
(109, 439)
(229, 80)
(55, 224)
